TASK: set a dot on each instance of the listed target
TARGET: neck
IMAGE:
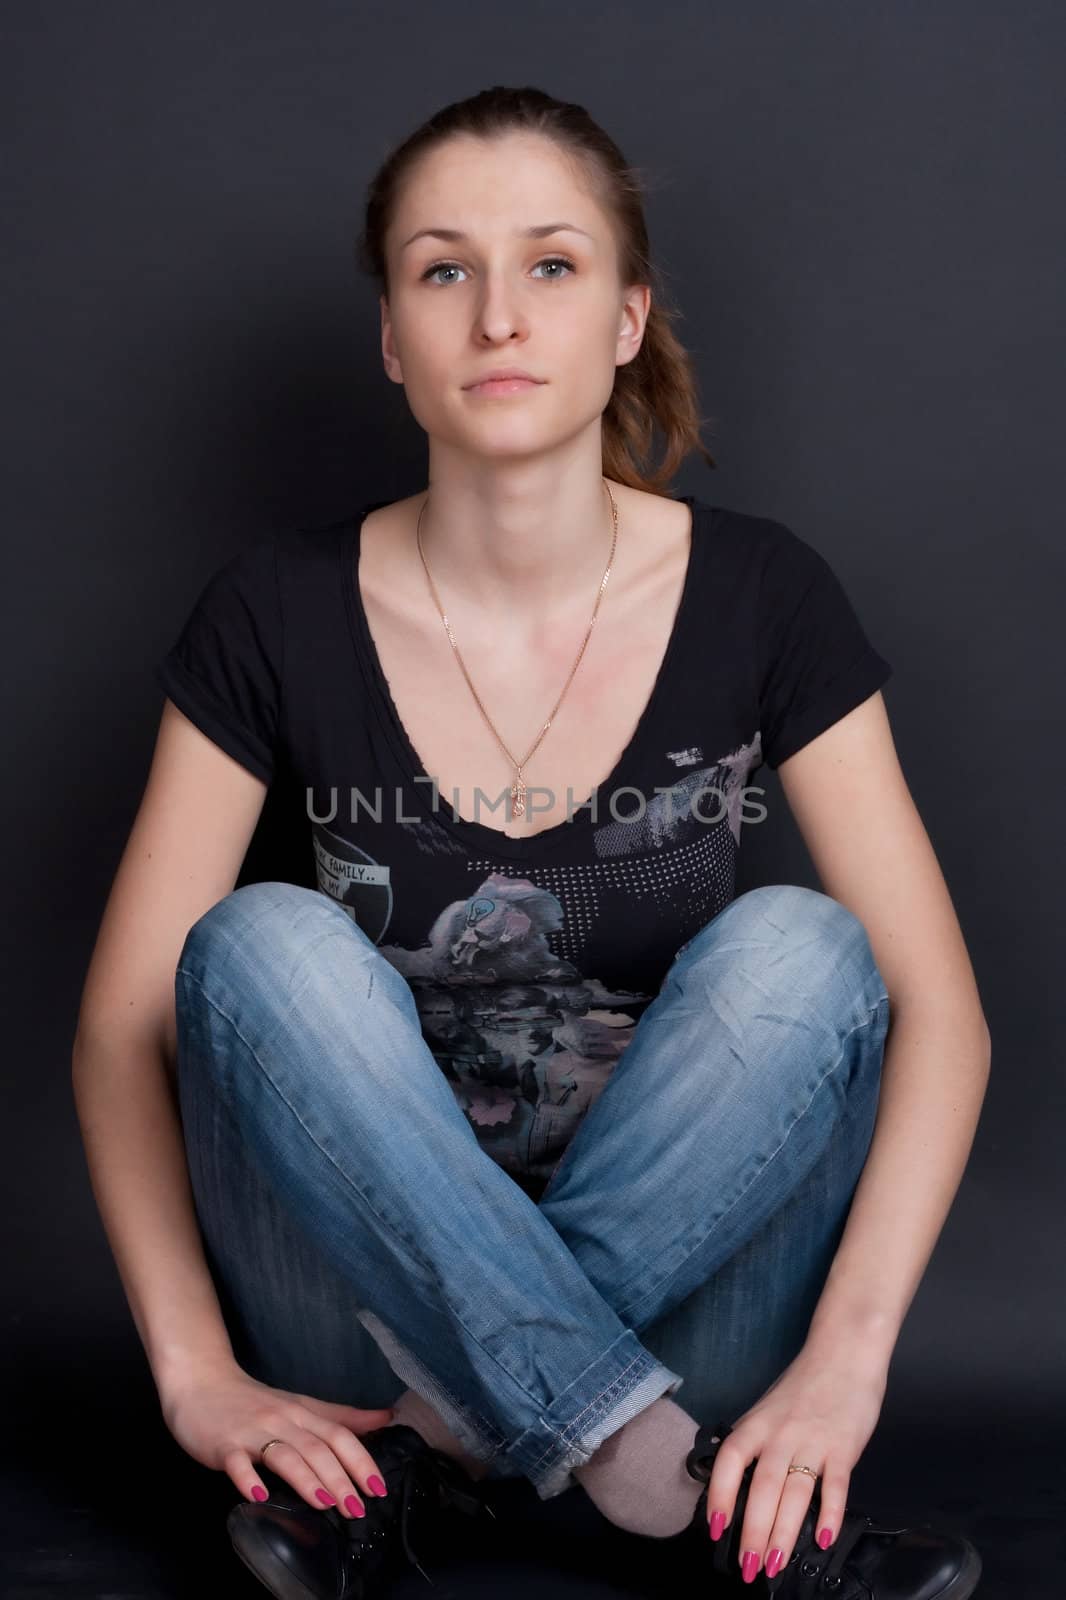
(508, 546)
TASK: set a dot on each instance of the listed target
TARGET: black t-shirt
(531, 959)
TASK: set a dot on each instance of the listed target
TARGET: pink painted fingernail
(717, 1524)
(354, 1506)
(773, 1561)
(376, 1485)
(258, 1492)
(326, 1498)
(750, 1566)
(825, 1538)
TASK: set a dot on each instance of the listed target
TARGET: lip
(501, 375)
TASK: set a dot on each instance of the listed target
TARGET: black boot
(866, 1561)
(299, 1553)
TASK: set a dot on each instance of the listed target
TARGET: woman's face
(459, 307)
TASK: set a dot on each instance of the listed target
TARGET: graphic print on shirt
(349, 876)
(700, 801)
(685, 758)
(524, 1030)
(526, 1043)
(525, 1040)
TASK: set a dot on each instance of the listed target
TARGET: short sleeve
(816, 662)
(224, 670)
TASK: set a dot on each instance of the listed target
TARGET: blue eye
(440, 266)
(555, 261)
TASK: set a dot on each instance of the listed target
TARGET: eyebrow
(538, 231)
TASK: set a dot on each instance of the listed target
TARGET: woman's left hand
(819, 1413)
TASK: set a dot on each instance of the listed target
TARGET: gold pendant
(518, 797)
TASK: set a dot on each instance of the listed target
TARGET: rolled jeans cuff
(545, 1453)
(625, 1379)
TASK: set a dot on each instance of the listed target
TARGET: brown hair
(659, 385)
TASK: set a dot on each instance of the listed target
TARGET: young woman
(516, 1073)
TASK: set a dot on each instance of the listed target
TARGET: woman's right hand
(222, 1417)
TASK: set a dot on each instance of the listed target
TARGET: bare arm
(184, 852)
(133, 1142)
(872, 853)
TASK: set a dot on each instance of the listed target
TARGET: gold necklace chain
(518, 786)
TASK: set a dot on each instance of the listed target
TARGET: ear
(389, 357)
(635, 309)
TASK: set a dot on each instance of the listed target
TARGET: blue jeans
(338, 1183)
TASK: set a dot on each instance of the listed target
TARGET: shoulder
(385, 527)
(762, 539)
(243, 585)
(252, 590)
(785, 568)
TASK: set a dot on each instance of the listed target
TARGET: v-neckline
(491, 841)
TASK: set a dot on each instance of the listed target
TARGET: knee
(794, 924)
(800, 913)
(263, 917)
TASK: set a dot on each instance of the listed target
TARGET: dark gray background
(859, 209)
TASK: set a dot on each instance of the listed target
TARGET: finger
(289, 1461)
(796, 1496)
(833, 1489)
(334, 1486)
(338, 1435)
(341, 1460)
(730, 1464)
(241, 1470)
(761, 1510)
(354, 1458)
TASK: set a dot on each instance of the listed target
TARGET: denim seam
(657, 1288)
(383, 1221)
(598, 1406)
(635, 1400)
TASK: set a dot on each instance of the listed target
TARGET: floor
(99, 1503)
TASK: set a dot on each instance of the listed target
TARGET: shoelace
(437, 1475)
(727, 1549)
